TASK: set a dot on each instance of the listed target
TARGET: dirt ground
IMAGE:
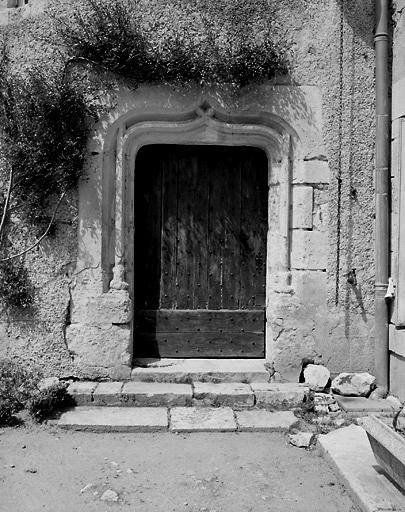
(45, 469)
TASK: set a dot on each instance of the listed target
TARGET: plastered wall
(325, 314)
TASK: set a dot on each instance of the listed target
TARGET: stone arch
(205, 124)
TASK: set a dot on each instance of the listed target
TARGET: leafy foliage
(16, 290)
(48, 400)
(17, 385)
(176, 40)
(43, 137)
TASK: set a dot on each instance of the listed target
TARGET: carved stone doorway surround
(99, 336)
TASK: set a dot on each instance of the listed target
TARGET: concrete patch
(107, 393)
(115, 419)
(265, 421)
(156, 394)
(202, 419)
(225, 394)
(349, 452)
(360, 405)
(281, 395)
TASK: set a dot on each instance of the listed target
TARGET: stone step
(175, 419)
(207, 370)
(158, 394)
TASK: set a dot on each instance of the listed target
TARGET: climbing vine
(44, 114)
(197, 40)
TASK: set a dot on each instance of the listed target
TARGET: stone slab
(279, 395)
(152, 394)
(81, 392)
(360, 405)
(108, 393)
(202, 419)
(207, 370)
(388, 447)
(115, 419)
(349, 453)
(259, 420)
(232, 394)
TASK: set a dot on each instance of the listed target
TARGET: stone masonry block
(107, 393)
(108, 346)
(279, 395)
(81, 392)
(309, 250)
(202, 419)
(152, 394)
(232, 394)
(114, 307)
(311, 171)
(302, 207)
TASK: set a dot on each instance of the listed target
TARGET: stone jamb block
(152, 394)
(311, 171)
(309, 250)
(108, 393)
(232, 394)
(108, 346)
(113, 307)
(302, 207)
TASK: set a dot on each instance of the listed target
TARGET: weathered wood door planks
(200, 251)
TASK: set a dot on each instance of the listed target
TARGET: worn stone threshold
(204, 370)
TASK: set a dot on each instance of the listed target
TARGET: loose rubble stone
(334, 407)
(47, 382)
(301, 439)
(321, 409)
(378, 393)
(396, 402)
(109, 495)
(353, 384)
(316, 377)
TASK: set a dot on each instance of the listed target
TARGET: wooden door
(200, 251)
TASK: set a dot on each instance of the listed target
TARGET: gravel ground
(45, 469)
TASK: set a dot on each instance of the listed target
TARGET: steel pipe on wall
(382, 190)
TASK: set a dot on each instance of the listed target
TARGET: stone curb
(200, 394)
(349, 453)
(174, 419)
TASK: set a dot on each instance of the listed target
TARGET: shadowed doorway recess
(200, 251)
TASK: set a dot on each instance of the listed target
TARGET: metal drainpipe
(382, 188)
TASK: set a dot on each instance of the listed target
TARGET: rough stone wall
(333, 50)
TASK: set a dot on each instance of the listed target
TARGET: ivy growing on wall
(44, 114)
(196, 40)
(43, 136)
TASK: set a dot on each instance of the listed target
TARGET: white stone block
(302, 207)
(265, 421)
(109, 346)
(311, 171)
(202, 419)
(309, 250)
